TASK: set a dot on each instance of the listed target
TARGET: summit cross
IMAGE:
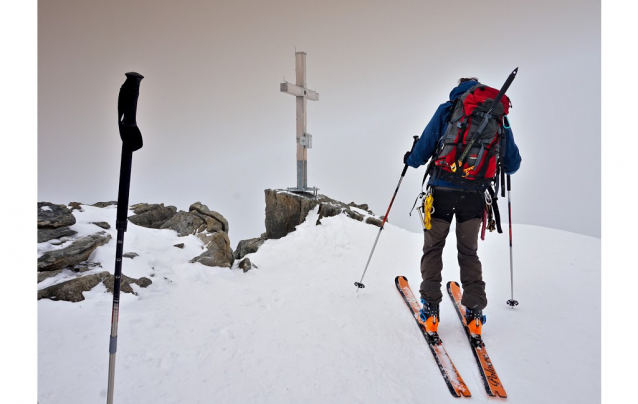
(304, 139)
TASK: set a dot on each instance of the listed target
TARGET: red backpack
(455, 162)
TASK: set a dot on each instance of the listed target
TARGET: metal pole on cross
(304, 139)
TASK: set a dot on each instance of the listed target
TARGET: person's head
(464, 79)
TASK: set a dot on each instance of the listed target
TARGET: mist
(217, 129)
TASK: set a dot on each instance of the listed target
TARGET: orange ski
(452, 378)
(492, 383)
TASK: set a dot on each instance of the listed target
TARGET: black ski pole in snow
(360, 284)
(131, 141)
(510, 302)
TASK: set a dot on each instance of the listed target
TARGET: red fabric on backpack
(463, 122)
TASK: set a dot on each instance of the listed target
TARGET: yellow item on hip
(427, 210)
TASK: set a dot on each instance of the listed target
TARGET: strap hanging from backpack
(483, 225)
(497, 214)
(491, 224)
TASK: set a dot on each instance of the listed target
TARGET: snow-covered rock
(54, 221)
(151, 215)
(286, 210)
(53, 216)
(78, 251)
(249, 246)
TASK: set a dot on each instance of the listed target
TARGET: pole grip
(127, 112)
(131, 141)
(509, 183)
(405, 168)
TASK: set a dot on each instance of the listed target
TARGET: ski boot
(475, 320)
(429, 316)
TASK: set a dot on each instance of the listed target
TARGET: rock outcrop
(74, 254)
(125, 283)
(185, 223)
(153, 216)
(214, 221)
(104, 204)
(245, 264)
(47, 274)
(249, 246)
(210, 226)
(54, 221)
(54, 234)
(76, 206)
(198, 219)
(218, 252)
(52, 216)
(286, 210)
(71, 291)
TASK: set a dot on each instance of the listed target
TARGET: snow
(296, 329)
(449, 368)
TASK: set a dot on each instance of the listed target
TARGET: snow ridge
(296, 330)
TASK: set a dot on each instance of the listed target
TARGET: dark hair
(464, 79)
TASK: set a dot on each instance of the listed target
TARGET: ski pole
(360, 284)
(510, 302)
(131, 141)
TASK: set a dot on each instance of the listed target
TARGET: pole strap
(497, 214)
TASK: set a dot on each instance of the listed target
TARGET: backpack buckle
(466, 171)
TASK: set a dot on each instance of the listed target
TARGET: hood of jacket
(461, 88)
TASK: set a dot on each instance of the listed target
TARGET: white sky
(217, 129)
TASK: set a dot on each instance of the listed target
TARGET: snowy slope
(296, 330)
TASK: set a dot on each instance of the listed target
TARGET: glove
(405, 158)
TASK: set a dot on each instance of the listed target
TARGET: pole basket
(512, 303)
(359, 285)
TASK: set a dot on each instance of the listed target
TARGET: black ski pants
(468, 209)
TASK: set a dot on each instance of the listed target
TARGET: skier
(459, 191)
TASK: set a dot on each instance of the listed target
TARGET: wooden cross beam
(304, 139)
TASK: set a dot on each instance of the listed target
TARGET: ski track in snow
(296, 329)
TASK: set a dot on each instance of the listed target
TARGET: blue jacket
(426, 145)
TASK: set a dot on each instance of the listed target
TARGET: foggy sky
(217, 129)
